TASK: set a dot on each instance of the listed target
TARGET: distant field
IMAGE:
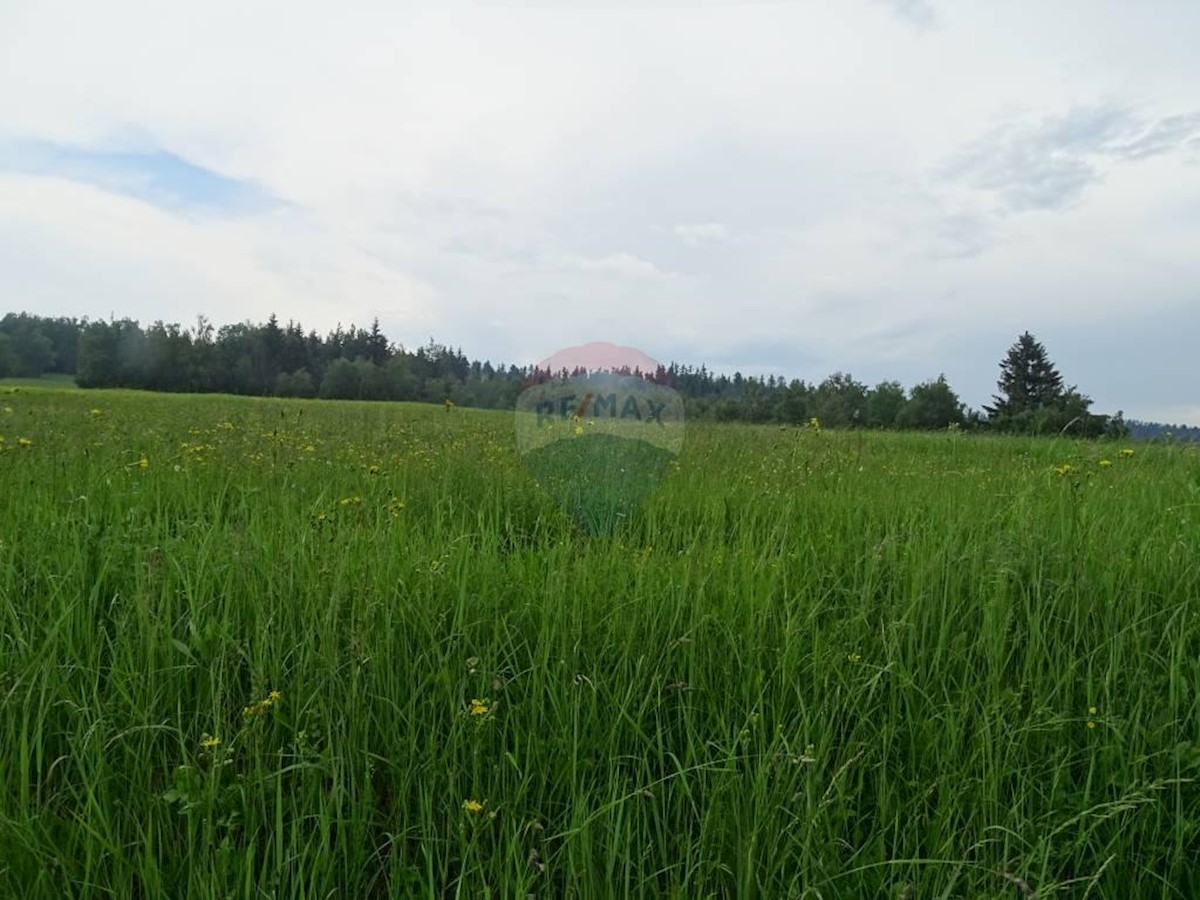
(261, 648)
(57, 382)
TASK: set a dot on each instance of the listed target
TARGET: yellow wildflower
(24, 442)
(479, 707)
(95, 412)
(814, 423)
(1127, 452)
(209, 742)
(262, 707)
(1064, 469)
(143, 463)
(474, 807)
(1104, 463)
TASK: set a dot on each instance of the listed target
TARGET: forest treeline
(274, 359)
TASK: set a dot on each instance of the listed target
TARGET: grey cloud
(1026, 181)
(765, 356)
(962, 235)
(1050, 164)
(1084, 129)
(621, 264)
(717, 191)
(1163, 137)
(918, 13)
(702, 232)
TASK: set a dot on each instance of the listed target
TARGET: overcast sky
(894, 188)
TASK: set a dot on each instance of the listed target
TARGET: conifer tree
(1029, 382)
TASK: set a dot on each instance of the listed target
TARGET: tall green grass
(813, 665)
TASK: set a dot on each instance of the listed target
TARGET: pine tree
(1028, 382)
(377, 344)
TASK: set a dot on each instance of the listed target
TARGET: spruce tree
(1029, 382)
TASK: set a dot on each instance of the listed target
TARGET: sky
(891, 188)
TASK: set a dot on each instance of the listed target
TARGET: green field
(255, 648)
(56, 381)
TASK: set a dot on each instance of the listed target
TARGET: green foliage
(813, 664)
(295, 384)
(8, 360)
(284, 360)
(1161, 433)
(99, 359)
(39, 345)
(792, 403)
(1032, 398)
(27, 350)
(932, 405)
(884, 403)
(342, 381)
(840, 401)
(602, 480)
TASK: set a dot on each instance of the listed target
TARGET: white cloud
(624, 265)
(702, 232)
(513, 177)
(117, 254)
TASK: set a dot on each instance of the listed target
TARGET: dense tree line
(287, 361)
(839, 401)
(1157, 431)
(32, 346)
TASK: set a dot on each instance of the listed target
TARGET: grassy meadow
(261, 648)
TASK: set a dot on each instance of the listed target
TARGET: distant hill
(1148, 431)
